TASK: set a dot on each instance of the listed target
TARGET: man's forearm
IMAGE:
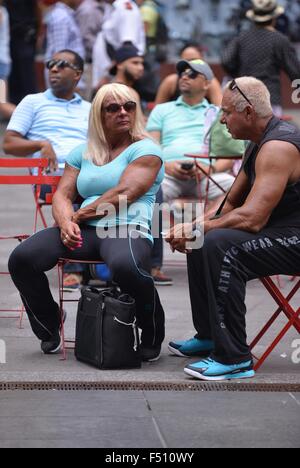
(236, 219)
(21, 147)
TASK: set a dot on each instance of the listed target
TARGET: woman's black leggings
(129, 260)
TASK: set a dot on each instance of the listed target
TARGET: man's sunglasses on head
(192, 74)
(61, 64)
(114, 108)
(233, 86)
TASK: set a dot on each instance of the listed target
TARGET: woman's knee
(19, 259)
(124, 270)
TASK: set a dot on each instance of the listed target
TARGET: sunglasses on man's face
(61, 64)
(192, 74)
(114, 108)
(233, 86)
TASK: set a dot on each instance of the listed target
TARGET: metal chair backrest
(38, 179)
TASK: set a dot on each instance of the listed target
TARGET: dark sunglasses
(114, 108)
(60, 64)
(233, 85)
(192, 74)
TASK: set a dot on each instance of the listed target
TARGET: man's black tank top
(287, 212)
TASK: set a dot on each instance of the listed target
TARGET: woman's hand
(77, 217)
(71, 235)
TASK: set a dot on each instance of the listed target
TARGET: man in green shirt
(182, 127)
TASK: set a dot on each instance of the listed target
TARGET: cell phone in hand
(187, 166)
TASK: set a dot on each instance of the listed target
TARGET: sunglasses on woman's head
(114, 108)
(192, 74)
(233, 86)
(60, 64)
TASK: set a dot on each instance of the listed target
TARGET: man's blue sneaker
(191, 348)
(209, 369)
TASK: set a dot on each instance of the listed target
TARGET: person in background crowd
(6, 109)
(25, 26)
(263, 52)
(169, 88)
(123, 25)
(89, 16)
(62, 30)
(181, 127)
(128, 68)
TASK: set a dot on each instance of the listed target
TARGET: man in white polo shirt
(52, 123)
(123, 25)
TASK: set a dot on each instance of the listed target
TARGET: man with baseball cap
(181, 127)
(198, 66)
(129, 65)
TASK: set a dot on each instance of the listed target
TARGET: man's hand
(175, 170)
(179, 235)
(47, 151)
(71, 235)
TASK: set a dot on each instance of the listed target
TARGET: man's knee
(217, 238)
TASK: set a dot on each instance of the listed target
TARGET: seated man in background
(182, 126)
(53, 123)
(169, 88)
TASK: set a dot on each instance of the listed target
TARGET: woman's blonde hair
(97, 146)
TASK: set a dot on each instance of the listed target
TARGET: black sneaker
(150, 354)
(53, 346)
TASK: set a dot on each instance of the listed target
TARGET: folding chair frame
(284, 306)
(29, 179)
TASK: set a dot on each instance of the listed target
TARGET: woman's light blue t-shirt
(94, 181)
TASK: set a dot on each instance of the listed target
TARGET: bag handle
(135, 332)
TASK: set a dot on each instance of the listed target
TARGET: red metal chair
(284, 306)
(209, 172)
(61, 264)
(37, 180)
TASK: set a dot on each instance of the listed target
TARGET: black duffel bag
(106, 331)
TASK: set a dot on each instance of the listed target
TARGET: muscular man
(257, 234)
